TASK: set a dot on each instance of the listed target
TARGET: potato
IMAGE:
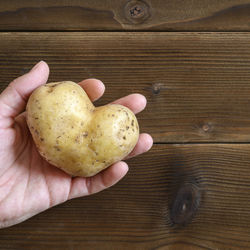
(74, 135)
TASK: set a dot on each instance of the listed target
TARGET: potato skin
(71, 134)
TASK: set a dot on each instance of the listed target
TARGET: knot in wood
(186, 204)
(206, 127)
(137, 11)
(156, 88)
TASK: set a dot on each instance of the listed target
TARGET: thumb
(14, 98)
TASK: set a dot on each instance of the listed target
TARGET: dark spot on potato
(53, 85)
(50, 89)
(42, 139)
(32, 127)
(36, 118)
(124, 137)
(85, 134)
(127, 127)
(104, 162)
(72, 126)
(113, 115)
(39, 108)
(98, 126)
(73, 92)
(77, 139)
(36, 132)
(136, 126)
(132, 123)
(57, 148)
(119, 110)
(82, 123)
(58, 136)
(133, 130)
(36, 100)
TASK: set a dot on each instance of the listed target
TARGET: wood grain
(198, 91)
(134, 214)
(206, 15)
(197, 84)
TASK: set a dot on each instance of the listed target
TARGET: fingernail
(36, 66)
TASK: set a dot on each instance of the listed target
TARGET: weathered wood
(197, 84)
(206, 15)
(134, 214)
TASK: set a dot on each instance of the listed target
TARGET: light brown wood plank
(206, 15)
(197, 84)
(135, 214)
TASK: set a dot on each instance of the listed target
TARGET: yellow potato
(74, 135)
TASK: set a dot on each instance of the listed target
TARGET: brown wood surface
(192, 190)
(205, 15)
(197, 84)
(134, 214)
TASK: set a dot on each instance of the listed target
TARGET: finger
(13, 99)
(107, 178)
(135, 102)
(93, 87)
(144, 144)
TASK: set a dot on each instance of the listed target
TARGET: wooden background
(191, 59)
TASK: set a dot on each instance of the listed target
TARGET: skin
(28, 183)
(74, 135)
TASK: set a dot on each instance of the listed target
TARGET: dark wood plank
(197, 84)
(135, 214)
(206, 15)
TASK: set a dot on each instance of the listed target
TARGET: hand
(29, 184)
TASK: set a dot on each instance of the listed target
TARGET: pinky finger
(105, 179)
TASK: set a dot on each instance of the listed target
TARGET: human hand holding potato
(28, 183)
(74, 135)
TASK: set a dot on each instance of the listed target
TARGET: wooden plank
(197, 84)
(206, 15)
(135, 214)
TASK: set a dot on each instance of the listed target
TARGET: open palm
(28, 183)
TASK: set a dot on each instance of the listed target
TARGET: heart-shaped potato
(74, 135)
